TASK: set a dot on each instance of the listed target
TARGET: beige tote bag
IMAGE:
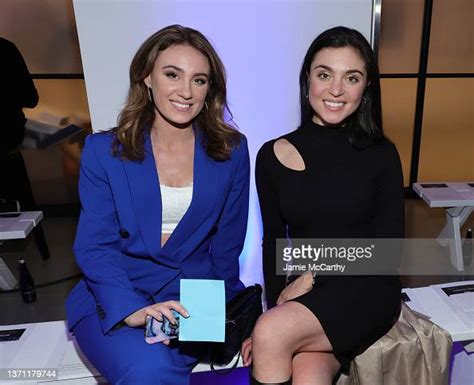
(414, 352)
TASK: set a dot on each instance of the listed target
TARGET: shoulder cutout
(288, 155)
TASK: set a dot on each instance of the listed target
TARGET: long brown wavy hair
(136, 118)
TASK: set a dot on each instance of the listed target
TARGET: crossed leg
(289, 339)
(314, 368)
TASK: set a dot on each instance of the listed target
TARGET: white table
(458, 200)
(18, 225)
(426, 300)
(15, 225)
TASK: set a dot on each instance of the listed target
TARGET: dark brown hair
(366, 122)
(136, 119)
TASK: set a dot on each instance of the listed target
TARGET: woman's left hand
(302, 285)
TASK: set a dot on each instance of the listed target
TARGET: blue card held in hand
(204, 299)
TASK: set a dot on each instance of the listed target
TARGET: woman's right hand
(157, 311)
(302, 285)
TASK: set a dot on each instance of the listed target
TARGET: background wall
(262, 44)
(445, 132)
(45, 32)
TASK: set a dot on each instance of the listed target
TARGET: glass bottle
(27, 285)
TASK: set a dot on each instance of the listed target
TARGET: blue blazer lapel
(206, 179)
(146, 197)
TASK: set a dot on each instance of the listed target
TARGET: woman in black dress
(336, 176)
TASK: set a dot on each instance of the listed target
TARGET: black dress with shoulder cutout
(343, 192)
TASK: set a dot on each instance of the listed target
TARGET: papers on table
(74, 364)
(41, 345)
(46, 345)
(453, 312)
(453, 194)
(29, 351)
(459, 296)
(204, 299)
(412, 301)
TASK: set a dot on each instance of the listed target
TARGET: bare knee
(271, 353)
(314, 368)
(264, 334)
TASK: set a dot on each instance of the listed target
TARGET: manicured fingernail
(186, 314)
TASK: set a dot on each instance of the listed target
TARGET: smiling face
(179, 82)
(337, 81)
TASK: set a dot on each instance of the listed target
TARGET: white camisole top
(175, 201)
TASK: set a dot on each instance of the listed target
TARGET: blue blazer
(118, 240)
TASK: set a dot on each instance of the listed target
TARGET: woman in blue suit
(164, 196)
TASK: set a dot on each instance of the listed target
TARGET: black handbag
(242, 312)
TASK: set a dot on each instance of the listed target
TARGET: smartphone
(158, 331)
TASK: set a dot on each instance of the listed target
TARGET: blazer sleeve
(228, 240)
(97, 244)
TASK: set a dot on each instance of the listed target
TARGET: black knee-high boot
(253, 381)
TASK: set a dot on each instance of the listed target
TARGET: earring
(205, 104)
(363, 105)
(150, 95)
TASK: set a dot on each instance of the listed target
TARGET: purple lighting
(238, 376)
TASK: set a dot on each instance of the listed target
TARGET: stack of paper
(459, 296)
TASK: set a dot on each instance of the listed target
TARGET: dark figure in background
(17, 91)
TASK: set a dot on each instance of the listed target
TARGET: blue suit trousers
(124, 358)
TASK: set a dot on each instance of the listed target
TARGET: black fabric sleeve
(390, 209)
(273, 224)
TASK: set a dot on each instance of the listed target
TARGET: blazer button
(100, 311)
(124, 233)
